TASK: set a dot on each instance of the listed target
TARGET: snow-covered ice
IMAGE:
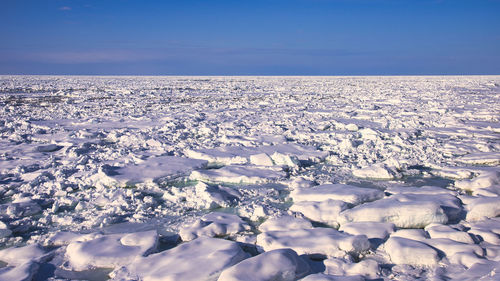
(201, 259)
(281, 264)
(185, 178)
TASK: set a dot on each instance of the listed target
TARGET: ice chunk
(487, 230)
(445, 231)
(22, 255)
(285, 159)
(227, 155)
(482, 158)
(487, 270)
(379, 230)
(239, 174)
(316, 241)
(284, 223)
(282, 264)
(483, 181)
(343, 192)
(404, 214)
(110, 250)
(155, 168)
(16, 209)
(483, 207)
(376, 171)
(202, 259)
(230, 155)
(413, 234)
(62, 238)
(324, 211)
(452, 173)
(424, 190)
(466, 259)
(202, 196)
(23, 272)
(406, 251)
(450, 247)
(214, 224)
(261, 159)
(367, 267)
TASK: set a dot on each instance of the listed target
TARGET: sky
(250, 37)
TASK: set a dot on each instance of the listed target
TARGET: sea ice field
(249, 178)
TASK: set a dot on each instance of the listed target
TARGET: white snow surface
(153, 178)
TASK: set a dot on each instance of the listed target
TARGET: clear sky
(250, 37)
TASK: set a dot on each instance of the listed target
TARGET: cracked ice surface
(178, 178)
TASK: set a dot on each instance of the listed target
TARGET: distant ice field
(249, 178)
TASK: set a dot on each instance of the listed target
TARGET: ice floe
(315, 241)
(110, 251)
(201, 259)
(281, 264)
(212, 225)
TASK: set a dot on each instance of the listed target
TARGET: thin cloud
(65, 8)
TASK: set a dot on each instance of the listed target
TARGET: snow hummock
(315, 241)
(155, 168)
(407, 251)
(396, 210)
(239, 174)
(343, 192)
(285, 222)
(326, 211)
(281, 264)
(110, 251)
(202, 259)
(377, 171)
(212, 225)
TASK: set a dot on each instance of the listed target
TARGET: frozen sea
(249, 178)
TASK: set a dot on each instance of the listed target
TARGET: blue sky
(250, 37)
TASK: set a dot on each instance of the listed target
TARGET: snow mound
(155, 168)
(202, 259)
(367, 268)
(379, 230)
(316, 241)
(212, 225)
(281, 154)
(239, 174)
(22, 262)
(377, 172)
(450, 247)
(407, 251)
(396, 210)
(21, 255)
(482, 158)
(483, 207)
(486, 230)
(481, 183)
(446, 231)
(284, 223)
(282, 264)
(202, 196)
(23, 272)
(343, 192)
(324, 211)
(110, 250)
